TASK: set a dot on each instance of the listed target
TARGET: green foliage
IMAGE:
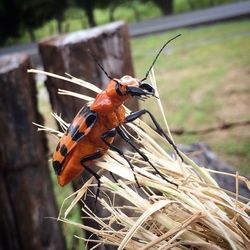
(74, 13)
(128, 14)
(189, 5)
(18, 17)
(237, 153)
(40, 18)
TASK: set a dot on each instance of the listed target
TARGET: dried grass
(198, 214)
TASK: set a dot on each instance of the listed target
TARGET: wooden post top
(83, 35)
(11, 62)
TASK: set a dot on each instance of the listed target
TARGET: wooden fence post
(26, 194)
(109, 44)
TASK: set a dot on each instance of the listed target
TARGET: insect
(93, 129)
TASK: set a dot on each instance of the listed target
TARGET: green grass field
(203, 80)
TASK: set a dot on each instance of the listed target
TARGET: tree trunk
(59, 24)
(26, 194)
(58, 10)
(112, 11)
(110, 45)
(89, 10)
(31, 35)
(191, 5)
(167, 7)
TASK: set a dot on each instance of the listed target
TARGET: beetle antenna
(163, 47)
(100, 66)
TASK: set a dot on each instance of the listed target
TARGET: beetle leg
(133, 116)
(96, 156)
(89, 158)
(112, 133)
(125, 136)
(112, 175)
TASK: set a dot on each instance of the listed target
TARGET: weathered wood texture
(70, 53)
(26, 194)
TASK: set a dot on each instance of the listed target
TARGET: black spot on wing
(58, 146)
(78, 136)
(74, 132)
(84, 111)
(57, 165)
(72, 129)
(63, 150)
(90, 119)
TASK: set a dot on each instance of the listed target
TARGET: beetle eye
(147, 87)
(119, 88)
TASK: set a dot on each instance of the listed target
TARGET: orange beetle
(93, 129)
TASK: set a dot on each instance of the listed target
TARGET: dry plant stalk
(198, 214)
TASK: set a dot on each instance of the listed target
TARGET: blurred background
(203, 77)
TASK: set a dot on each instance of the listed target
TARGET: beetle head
(128, 85)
